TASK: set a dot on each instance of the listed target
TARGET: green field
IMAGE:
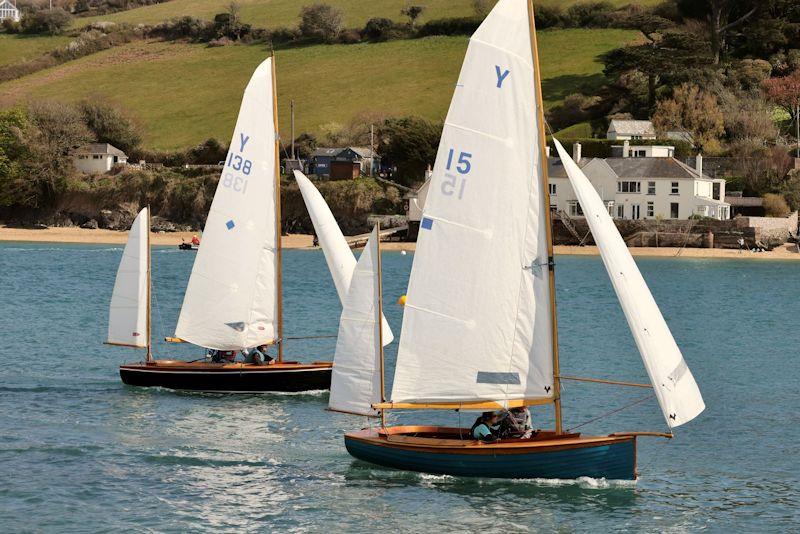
(15, 48)
(185, 93)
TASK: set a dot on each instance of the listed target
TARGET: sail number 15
(454, 184)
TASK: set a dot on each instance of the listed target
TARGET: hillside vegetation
(329, 83)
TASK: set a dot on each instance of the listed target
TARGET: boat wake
(582, 482)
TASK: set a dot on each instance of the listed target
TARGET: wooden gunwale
(453, 446)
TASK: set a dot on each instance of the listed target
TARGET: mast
(149, 357)
(379, 319)
(537, 78)
(278, 249)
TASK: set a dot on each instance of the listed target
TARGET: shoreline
(303, 241)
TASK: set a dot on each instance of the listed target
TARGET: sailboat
(233, 300)
(479, 328)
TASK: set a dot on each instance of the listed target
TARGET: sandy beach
(80, 235)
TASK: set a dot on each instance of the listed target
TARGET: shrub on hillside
(575, 108)
(350, 36)
(110, 124)
(383, 29)
(549, 17)
(184, 28)
(775, 206)
(410, 143)
(53, 21)
(589, 14)
(283, 35)
(451, 26)
(11, 26)
(321, 22)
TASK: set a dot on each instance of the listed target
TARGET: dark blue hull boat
(443, 451)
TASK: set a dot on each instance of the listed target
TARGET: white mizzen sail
(127, 317)
(673, 383)
(341, 260)
(231, 299)
(356, 378)
(477, 321)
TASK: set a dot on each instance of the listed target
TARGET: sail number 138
(454, 184)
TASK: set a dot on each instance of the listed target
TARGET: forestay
(356, 379)
(127, 317)
(477, 320)
(231, 299)
(673, 383)
(340, 259)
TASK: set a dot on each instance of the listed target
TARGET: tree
(410, 144)
(775, 205)
(110, 125)
(721, 16)
(695, 111)
(790, 189)
(52, 21)
(785, 92)
(321, 22)
(413, 13)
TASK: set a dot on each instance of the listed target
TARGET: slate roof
(555, 169)
(652, 168)
(631, 127)
(364, 152)
(744, 202)
(101, 148)
(331, 152)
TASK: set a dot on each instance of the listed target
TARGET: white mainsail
(477, 322)
(231, 299)
(673, 383)
(127, 317)
(356, 378)
(340, 259)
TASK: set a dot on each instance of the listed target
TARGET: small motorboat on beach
(188, 246)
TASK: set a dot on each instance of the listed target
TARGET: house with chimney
(642, 182)
(631, 130)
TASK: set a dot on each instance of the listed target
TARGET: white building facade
(98, 158)
(630, 130)
(8, 11)
(642, 188)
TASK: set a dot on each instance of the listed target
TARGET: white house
(642, 188)
(8, 11)
(626, 150)
(630, 129)
(98, 158)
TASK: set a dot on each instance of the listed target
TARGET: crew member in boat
(258, 356)
(485, 427)
(517, 423)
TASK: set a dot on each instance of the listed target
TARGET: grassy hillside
(14, 48)
(185, 93)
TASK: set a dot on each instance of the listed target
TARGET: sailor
(259, 356)
(485, 427)
(195, 240)
(517, 424)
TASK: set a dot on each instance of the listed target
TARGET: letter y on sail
(673, 383)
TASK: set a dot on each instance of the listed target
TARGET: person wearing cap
(195, 240)
(517, 424)
(485, 427)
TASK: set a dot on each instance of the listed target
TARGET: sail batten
(127, 317)
(357, 373)
(231, 302)
(477, 322)
(673, 383)
(340, 259)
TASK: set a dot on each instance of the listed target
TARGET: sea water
(81, 452)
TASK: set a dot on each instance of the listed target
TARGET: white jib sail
(356, 379)
(477, 324)
(127, 317)
(340, 259)
(230, 302)
(673, 383)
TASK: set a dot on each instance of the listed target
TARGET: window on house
(575, 209)
(675, 188)
(621, 211)
(635, 213)
(716, 191)
(635, 137)
(610, 208)
(651, 188)
(629, 187)
(552, 189)
(673, 210)
(639, 153)
(651, 210)
(97, 156)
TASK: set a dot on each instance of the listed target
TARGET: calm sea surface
(81, 452)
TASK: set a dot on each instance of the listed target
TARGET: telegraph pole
(292, 121)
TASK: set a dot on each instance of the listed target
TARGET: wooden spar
(379, 319)
(113, 344)
(667, 435)
(278, 249)
(149, 357)
(465, 405)
(174, 340)
(603, 381)
(548, 224)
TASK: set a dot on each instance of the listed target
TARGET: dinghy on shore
(234, 298)
(479, 327)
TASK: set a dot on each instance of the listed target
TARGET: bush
(576, 108)
(11, 26)
(110, 125)
(601, 148)
(775, 206)
(184, 28)
(549, 17)
(52, 21)
(410, 143)
(350, 36)
(283, 35)
(589, 14)
(381, 29)
(321, 22)
(450, 26)
(790, 189)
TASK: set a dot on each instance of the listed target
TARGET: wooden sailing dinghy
(234, 297)
(479, 328)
